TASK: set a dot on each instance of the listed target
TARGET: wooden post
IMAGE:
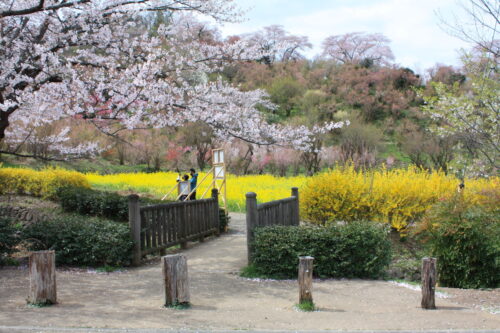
(296, 213)
(42, 267)
(134, 220)
(251, 207)
(215, 195)
(305, 279)
(428, 283)
(175, 277)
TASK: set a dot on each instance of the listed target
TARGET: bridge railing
(157, 227)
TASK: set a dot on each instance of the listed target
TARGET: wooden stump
(175, 275)
(305, 279)
(428, 283)
(42, 268)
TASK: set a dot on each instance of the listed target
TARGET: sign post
(219, 174)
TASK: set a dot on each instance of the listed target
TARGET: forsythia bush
(397, 197)
(43, 183)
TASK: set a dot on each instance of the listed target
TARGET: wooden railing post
(428, 283)
(296, 213)
(134, 220)
(215, 196)
(175, 277)
(251, 207)
(305, 279)
(42, 268)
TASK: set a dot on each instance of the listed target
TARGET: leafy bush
(82, 241)
(7, 237)
(223, 220)
(354, 250)
(43, 183)
(396, 197)
(97, 203)
(465, 239)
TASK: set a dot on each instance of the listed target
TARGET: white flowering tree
(473, 117)
(89, 60)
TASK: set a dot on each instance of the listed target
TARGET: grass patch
(179, 306)
(40, 304)
(250, 272)
(307, 306)
(107, 269)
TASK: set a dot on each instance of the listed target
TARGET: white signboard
(218, 156)
(219, 172)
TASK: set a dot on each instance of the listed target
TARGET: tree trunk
(42, 268)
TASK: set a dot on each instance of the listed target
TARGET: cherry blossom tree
(91, 59)
(357, 47)
(278, 44)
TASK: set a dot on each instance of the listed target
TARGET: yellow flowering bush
(39, 183)
(397, 197)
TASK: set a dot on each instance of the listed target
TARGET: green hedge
(466, 242)
(354, 250)
(82, 241)
(97, 203)
(8, 238)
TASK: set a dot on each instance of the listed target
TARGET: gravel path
(222, 301)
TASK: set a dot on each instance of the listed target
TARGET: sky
(417, 40)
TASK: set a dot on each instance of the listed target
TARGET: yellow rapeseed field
(267, 187)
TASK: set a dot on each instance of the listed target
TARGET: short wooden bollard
(42, 268)
(175, 276)
(428, 283)
(305, 279)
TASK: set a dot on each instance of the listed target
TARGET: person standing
(193, 181)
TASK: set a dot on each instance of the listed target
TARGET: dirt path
(224, 301)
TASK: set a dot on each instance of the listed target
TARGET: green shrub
(354, 250)
(223, 220)
(7, 238)
(97, 203)
(82, 241)
(466, 241)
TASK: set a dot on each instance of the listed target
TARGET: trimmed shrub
(354, 250)
(42, 184)
(97, 203)
(8, 238)
(81, 241)
(466, 241)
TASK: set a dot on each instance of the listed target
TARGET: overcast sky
(412, 25)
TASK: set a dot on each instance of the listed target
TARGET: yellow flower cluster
(158, 184)
(38, 183)
(397, 196)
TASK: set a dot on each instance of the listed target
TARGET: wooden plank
(154, 228)
(143, 227)
(165, 225)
